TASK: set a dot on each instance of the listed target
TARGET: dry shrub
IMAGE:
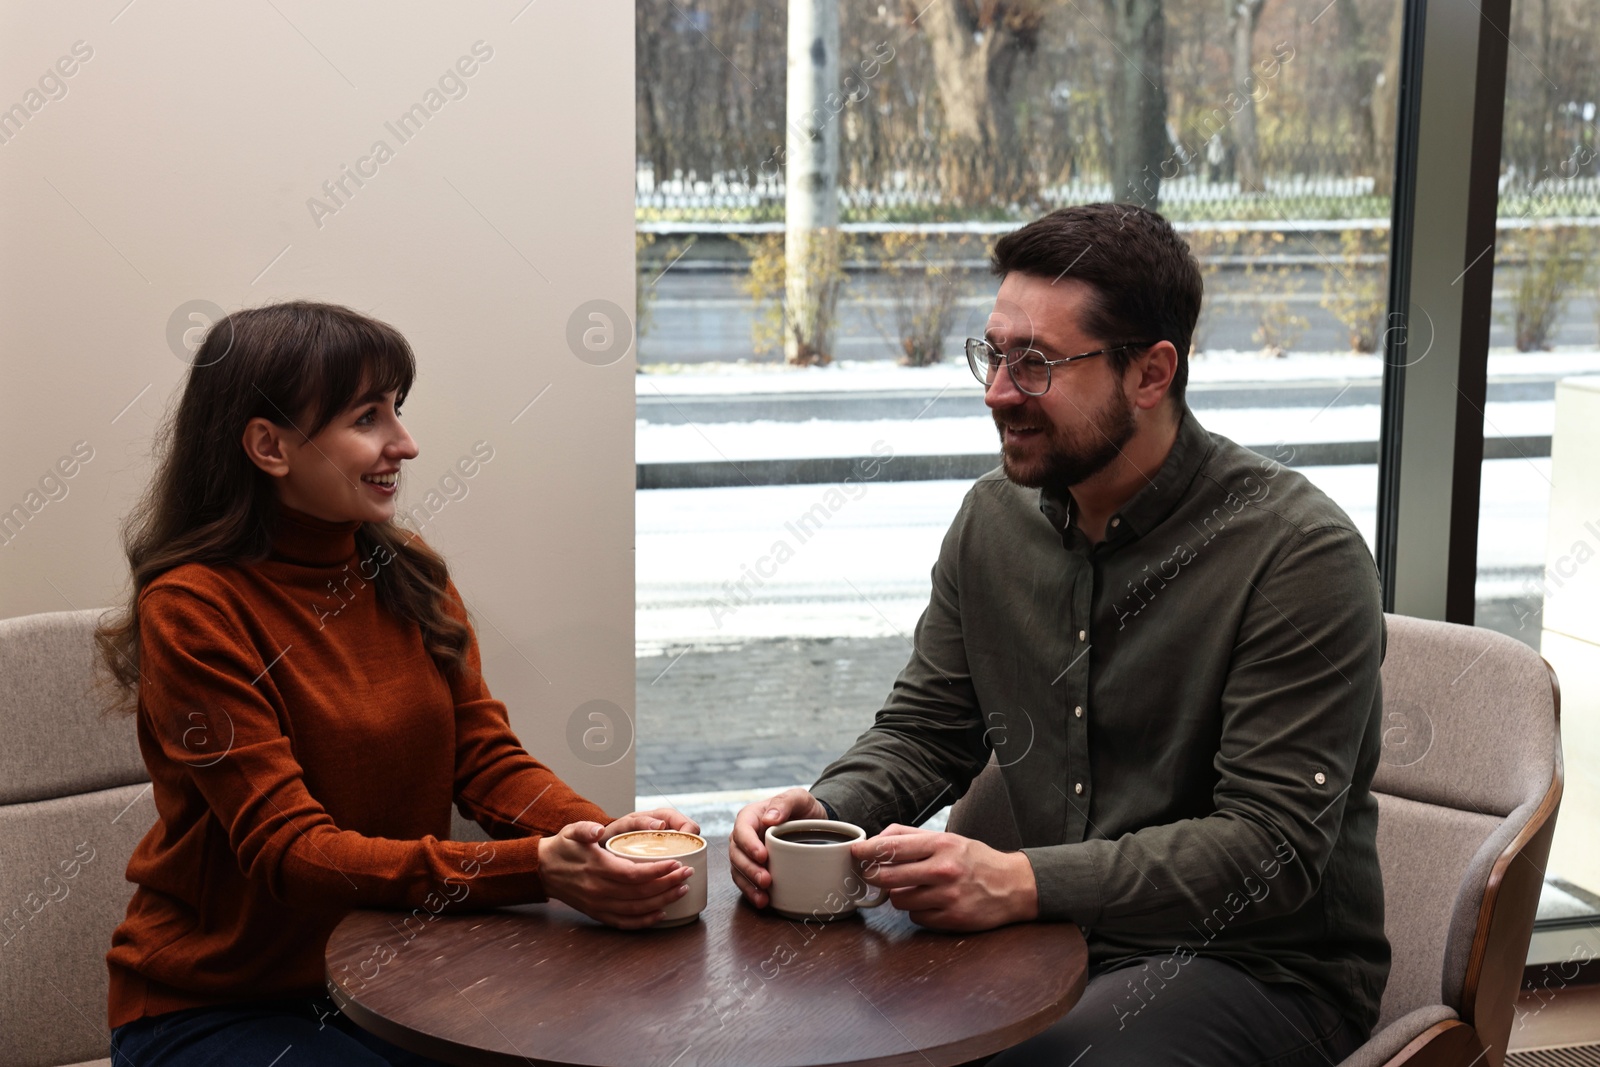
(1554, 261)
(923, 292)
(763, 283)
(1278, 326)
(798, 318)
(812, 297)
(646, 274)
(1210, 248)
(1358, 293)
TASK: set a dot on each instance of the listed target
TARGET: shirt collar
(301, 538)
(1147, 508)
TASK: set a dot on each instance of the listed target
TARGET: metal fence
(724, 199)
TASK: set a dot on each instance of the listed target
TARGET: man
(1171, 646)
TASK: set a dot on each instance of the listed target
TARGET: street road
(697, 316)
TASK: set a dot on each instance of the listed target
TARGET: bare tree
(1386, 102)
(976, 46)
(1358, 83)
(709, 87)
(982, 107)
(1138, 112)
(1243, 17)
(1547, 88)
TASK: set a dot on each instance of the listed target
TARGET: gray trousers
(1211, 1014)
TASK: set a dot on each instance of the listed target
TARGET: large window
(801, 454)
(792, 503)
(1532, 534)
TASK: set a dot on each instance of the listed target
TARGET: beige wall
(175, 164)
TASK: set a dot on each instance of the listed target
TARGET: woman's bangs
(390, 365)
(351, 360)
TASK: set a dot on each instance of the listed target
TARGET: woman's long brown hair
(208, 503)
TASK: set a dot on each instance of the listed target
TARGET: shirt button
(1077, 712)
(1116, 522)
(1082, 634)
(1320, 778)
(1078, 789)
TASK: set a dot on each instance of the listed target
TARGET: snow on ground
(709, 442)
(847, 375)
(863, 570)
(751, 378)
(765, 439)
(723, 566)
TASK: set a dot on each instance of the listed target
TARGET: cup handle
(874, 895)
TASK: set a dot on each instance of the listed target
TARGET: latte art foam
(654, 844)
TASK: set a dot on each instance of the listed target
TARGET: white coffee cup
(817, 879)
(651, 846)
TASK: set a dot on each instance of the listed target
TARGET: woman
(309, 705)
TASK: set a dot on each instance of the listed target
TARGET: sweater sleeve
(498, 784)
(202, 711)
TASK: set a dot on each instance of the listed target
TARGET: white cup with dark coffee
(814, 874)
(648, 846)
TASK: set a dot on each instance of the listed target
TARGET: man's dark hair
(1146, 282)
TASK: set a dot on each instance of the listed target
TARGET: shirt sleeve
(197, 686)
(927, 743)
(498, 784)
(1298, 704)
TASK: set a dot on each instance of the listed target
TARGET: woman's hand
(659, 819)
(577, 870)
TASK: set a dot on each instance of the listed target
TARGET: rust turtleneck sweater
(304, 752)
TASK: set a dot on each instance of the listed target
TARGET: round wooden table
(542, 983)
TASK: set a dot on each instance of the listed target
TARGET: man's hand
(576, 870)
(747, 847)
(949, 882)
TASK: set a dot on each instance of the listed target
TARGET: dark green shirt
(1186, 715)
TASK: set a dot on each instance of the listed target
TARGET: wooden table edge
(959, 1052)
(415, 1041)
(951, 1054)
(975, 1047)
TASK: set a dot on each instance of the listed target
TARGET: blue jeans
(303, 1032)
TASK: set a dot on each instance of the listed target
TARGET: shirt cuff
(1068, 880)
(840, 801)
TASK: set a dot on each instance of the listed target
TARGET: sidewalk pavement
(718, 729)
(768, 712)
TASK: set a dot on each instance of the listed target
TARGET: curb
(837, 470)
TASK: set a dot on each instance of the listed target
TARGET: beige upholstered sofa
(74, 801)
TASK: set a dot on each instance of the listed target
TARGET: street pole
(811, 180)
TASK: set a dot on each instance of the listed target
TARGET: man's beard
(1070, 457)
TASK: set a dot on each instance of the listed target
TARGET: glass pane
(779, 583)
(1535, 536)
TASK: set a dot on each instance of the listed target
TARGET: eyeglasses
(1029, 370)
